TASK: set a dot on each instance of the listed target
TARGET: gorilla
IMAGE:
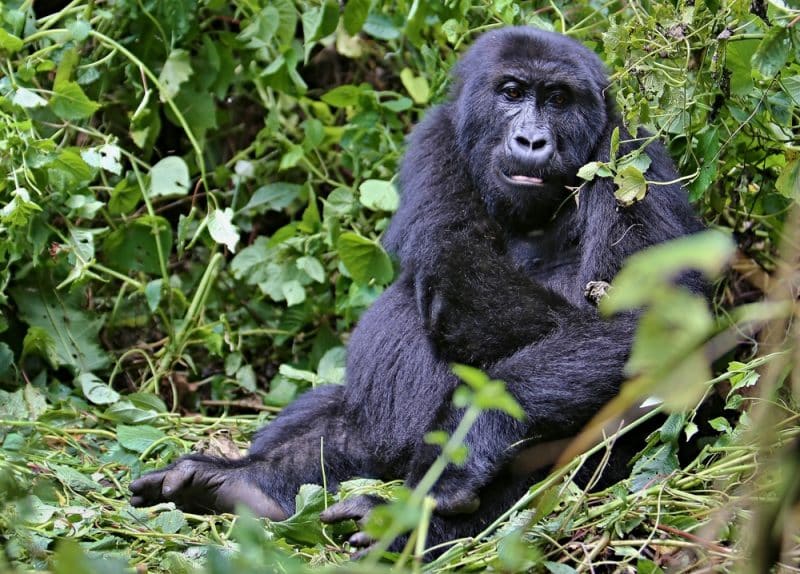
(497, 241)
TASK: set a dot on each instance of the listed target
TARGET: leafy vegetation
(192, 198)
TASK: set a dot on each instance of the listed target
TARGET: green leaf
(379, 195)
(103, 157)
(416, 86)
(177, 70)
(365, 260)
(274, 196)
(169, 178)
(39, 343)
(259, 32)
(792, 87)
(381, 27)
(708, 149)
(355, 15)
(168, 522)
(312, 267)
(771, 54)
(304, 525)
(654, 466)
(293, 292)
(318, 22)
(73, 479)
(152, 294)
(631, 186)
(788, 183)
(95, 390)
(70, 103)
(73, 331)
(221, 228)
(133, 247)
(589, 170)
(342, 96)
(138, 438)
(26, 98)
(9, 43)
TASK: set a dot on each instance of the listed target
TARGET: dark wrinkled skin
(494, 268)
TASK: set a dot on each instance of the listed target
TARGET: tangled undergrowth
(191, 203)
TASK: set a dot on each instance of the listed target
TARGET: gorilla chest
(552, 264)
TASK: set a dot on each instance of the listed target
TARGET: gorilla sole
(496, 254)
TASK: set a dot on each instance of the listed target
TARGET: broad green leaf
(70, 103)
(631, 186)
(9, 43)
(331, 366)
(133, 247)
(312, 267)
(152, 294)
(381, 27)
(221, 228)
(791, 86)
(73, 478)
(168, 522)
(293, 292)
(138, 438)
(654, 466)
(26, 98)
(589, 170)
(772, 52)
(318, 22)
(364, 259)
(95, 390)
(379, 195)
(73, 331)
(355, 15)
(104, 157)
(260, 31)
(39, 343)
(304, 525)
(788, 183)
(275, 196)
(708, 150)
(416, 86)
(342, 96)
(177, 70)
(169, 178)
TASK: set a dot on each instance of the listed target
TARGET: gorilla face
(528, 120)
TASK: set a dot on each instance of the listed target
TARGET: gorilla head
(531, 110)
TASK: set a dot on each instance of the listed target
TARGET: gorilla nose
(534, 147)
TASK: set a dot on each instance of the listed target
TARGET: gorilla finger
(176, 478)
(147, 489)
(360, 540)
(351, 509)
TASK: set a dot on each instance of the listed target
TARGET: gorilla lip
(524, 179)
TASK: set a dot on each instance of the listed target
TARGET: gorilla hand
(203, 484)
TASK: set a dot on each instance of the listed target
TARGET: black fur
(494, 269)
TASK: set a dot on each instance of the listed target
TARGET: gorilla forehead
(530, 54)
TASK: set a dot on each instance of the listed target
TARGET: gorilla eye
(558, 98)
(512, 91)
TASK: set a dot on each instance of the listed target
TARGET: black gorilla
(496, 249)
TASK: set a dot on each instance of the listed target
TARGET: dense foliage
(191, 202)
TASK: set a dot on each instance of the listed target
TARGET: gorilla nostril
(524, 142)
(539, 144)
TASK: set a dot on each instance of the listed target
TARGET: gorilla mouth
(527, 180)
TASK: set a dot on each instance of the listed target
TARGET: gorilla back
(497, 241)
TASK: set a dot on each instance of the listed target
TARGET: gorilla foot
(204, 485)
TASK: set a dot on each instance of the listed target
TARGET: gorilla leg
(284, 455)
